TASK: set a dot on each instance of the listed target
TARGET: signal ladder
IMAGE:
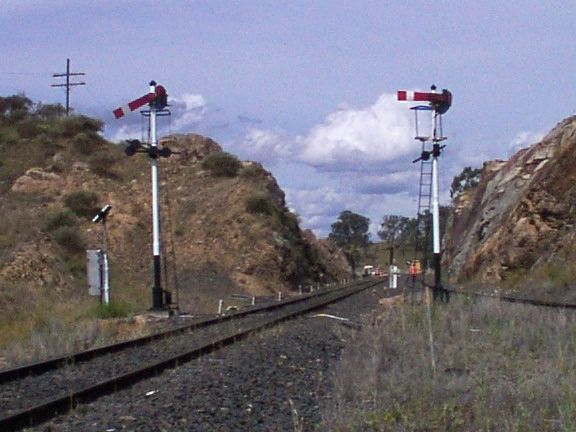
(422, 244)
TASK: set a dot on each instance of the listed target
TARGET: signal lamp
(132, 147)
(101, 216)
(165, 152)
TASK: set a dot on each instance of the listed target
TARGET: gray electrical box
(94, 260)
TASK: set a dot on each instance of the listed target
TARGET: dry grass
(500, 367)
(46, 331)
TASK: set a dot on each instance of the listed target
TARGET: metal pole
(438, 289)
(436, 220)
(67, 86)
(157, 297)
(105, 262)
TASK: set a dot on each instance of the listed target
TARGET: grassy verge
(499, 367)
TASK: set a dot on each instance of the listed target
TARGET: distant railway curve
(33, 394)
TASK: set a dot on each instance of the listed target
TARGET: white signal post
(439, 104)
(436, 138)
(157, 297)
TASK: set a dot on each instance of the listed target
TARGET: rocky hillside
(226, 225)
(516, 228)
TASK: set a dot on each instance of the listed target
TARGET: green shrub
(14, 108)
(76, 265)
(28, 128)
(84, 144)
(251, 171)
(73, 125)
(56, 219)
(260, 203)
(222, 164)
(112, 310)
(49, 111)
(70, 238)
(102, 165)
(47, 144)
(9, 135)
(82, 203)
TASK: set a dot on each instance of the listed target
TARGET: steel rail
(67, 401)
(509, 299)
(43, 366)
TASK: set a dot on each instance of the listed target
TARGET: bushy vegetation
(102, 165)
(467, 179)
(498, 367)
(83, 143)
(111, 310)
(260, 203)
(70, 238)
(62, 225)
(222, 164)
(59, 218)
(252, 171)
(32, 133)
(82, 203)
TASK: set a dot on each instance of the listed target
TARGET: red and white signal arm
(440, 101)
(158, 97)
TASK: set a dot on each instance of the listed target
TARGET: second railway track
(66, 382)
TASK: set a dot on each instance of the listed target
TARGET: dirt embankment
(225, 234)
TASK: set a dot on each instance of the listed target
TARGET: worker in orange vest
(413, 270)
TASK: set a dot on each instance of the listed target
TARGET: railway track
(32, 394)
(505, 298)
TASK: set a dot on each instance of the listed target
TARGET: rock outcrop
(520, 218)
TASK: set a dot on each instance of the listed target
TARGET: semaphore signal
(158, 96)
(438, 104)
(157, 99)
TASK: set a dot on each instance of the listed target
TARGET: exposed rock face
(192, 147)
(37, 180)
(521, 215)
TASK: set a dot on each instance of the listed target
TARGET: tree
(393, 227)
(49, 111)
(350, 232)
(467, 179)
(14, 108)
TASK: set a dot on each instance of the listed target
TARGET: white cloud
(187, 110)
(524, 139)
(391, 182)
(348, 140)
(266, 145)
(356, 159)
(125, 132)
(353, 138)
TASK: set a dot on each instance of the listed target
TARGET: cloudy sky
(307, 87)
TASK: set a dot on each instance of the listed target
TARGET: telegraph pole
(68, 84)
